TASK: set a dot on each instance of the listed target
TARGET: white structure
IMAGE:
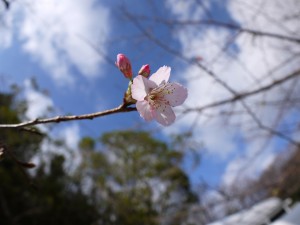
(292, 217)
(264, 213)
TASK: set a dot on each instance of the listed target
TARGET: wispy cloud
(249, 165)
(6, 21)
(57, 34)
(70, 134)
(39, 104)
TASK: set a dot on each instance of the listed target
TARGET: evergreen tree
(45, 198)
(136, 179)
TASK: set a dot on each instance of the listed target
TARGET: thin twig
(268, 129)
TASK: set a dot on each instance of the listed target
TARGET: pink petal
(145, 110)
(161, 75)
(165, 115)
(141, 87)
(175, 94)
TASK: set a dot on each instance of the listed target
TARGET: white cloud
(6, 21)
(270, 15)
(39, 104)
(57, 35)
(70, 135)
(248, 167)
(218, 141)
(242, 70)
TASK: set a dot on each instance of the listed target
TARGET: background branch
(230, 26)
(245, 94)
(6, 3)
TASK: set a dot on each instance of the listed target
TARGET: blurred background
(235, 141)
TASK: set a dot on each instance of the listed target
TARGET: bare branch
(266, 128)
(246, 94)
(122, 108)
(6, 3)
(230, 26)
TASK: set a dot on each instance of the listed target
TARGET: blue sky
(69, 47)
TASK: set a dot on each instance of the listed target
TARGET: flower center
(152, 97)
(156, 97)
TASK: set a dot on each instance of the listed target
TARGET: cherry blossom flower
(156, 96)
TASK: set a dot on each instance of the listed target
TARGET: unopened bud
(124, 65)
(145, 70)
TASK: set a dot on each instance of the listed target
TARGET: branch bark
(121, 108)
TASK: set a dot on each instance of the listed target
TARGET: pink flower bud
(145, 70)
(124, 65)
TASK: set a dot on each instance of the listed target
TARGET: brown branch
(217, 23)
(209, 72)
(266, 128)
(245, 94)
(121, 108)
(236, 96)
(241, 97)
(6, 4)
(230, 26)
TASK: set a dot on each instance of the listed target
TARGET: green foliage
(50, 201)
(139, 178)
(13, 138)
(46, 198)
(87, 144)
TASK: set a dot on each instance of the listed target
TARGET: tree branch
(246, 94)
(178, 54)
(230, 26)
(6, 4)
(266, 128)
(121, 108)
